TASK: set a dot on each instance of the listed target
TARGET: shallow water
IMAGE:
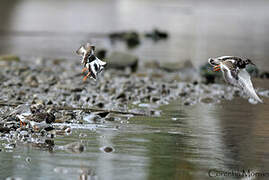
(186, 141)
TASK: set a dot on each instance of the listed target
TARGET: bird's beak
(216, 68)
(252, 63)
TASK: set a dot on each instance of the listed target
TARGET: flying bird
(234, 73)
(89, 61)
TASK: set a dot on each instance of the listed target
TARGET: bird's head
(248, 61)
(213, 62)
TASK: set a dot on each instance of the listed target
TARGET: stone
(264, 75)
(157, 34)
(131, 38)
(120, 60)
(103, 114)
(107, 149)
(207, 100)
(75, 147)
(32, 81)
(176, 66)
(101, 53)
(208, 75)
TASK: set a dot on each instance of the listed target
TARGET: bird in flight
(89, 61)
(234, 73)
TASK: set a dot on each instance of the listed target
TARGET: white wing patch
(245, 83)
(90, 61)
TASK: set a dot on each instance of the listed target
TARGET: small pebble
(28, 159)
(107, 149)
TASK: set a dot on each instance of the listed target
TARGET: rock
(120, 60)
(49, 142)
(152, 64)
(10, 146)
(31, 80)
(76, 89)
(208, 75)
(207, 100)
(264, 75)
(110, 119)
(58, 61)
(9, 58)
(264, 93)
(176, 66)
(103, 114)
(4, 130)
(13, 178)
(107, 149)
(76, 97)
(101, 53)
(131, 38)
(155, 99)
(49, 128)
(156, 35)
(28, 159)
(75, 147)
(121, 96)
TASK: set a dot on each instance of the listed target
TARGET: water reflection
(184, 143)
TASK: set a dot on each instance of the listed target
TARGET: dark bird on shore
(89, 61)
(234, 73)
(36, 119)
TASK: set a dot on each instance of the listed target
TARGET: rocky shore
(44, 98)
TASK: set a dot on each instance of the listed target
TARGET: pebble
(123, 86)
(28, 159)
(13, 178)
(207, 100)
(75, 147)
(107, 149)
(120, 60)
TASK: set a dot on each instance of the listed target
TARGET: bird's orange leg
(85, 77)
(84, 69)
(22, 124)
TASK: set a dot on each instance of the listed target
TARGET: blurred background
(197, 29)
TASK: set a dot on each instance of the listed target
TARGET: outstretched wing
(224, 58)
(245, 83)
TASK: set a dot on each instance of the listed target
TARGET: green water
(184, 143)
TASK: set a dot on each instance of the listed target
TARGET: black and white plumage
(89, 61)
(234, 73)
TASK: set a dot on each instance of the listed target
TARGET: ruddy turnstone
(234, 73)
(89, 61)
(36, 120)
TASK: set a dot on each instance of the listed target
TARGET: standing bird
(89, 61)
(234, 73)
